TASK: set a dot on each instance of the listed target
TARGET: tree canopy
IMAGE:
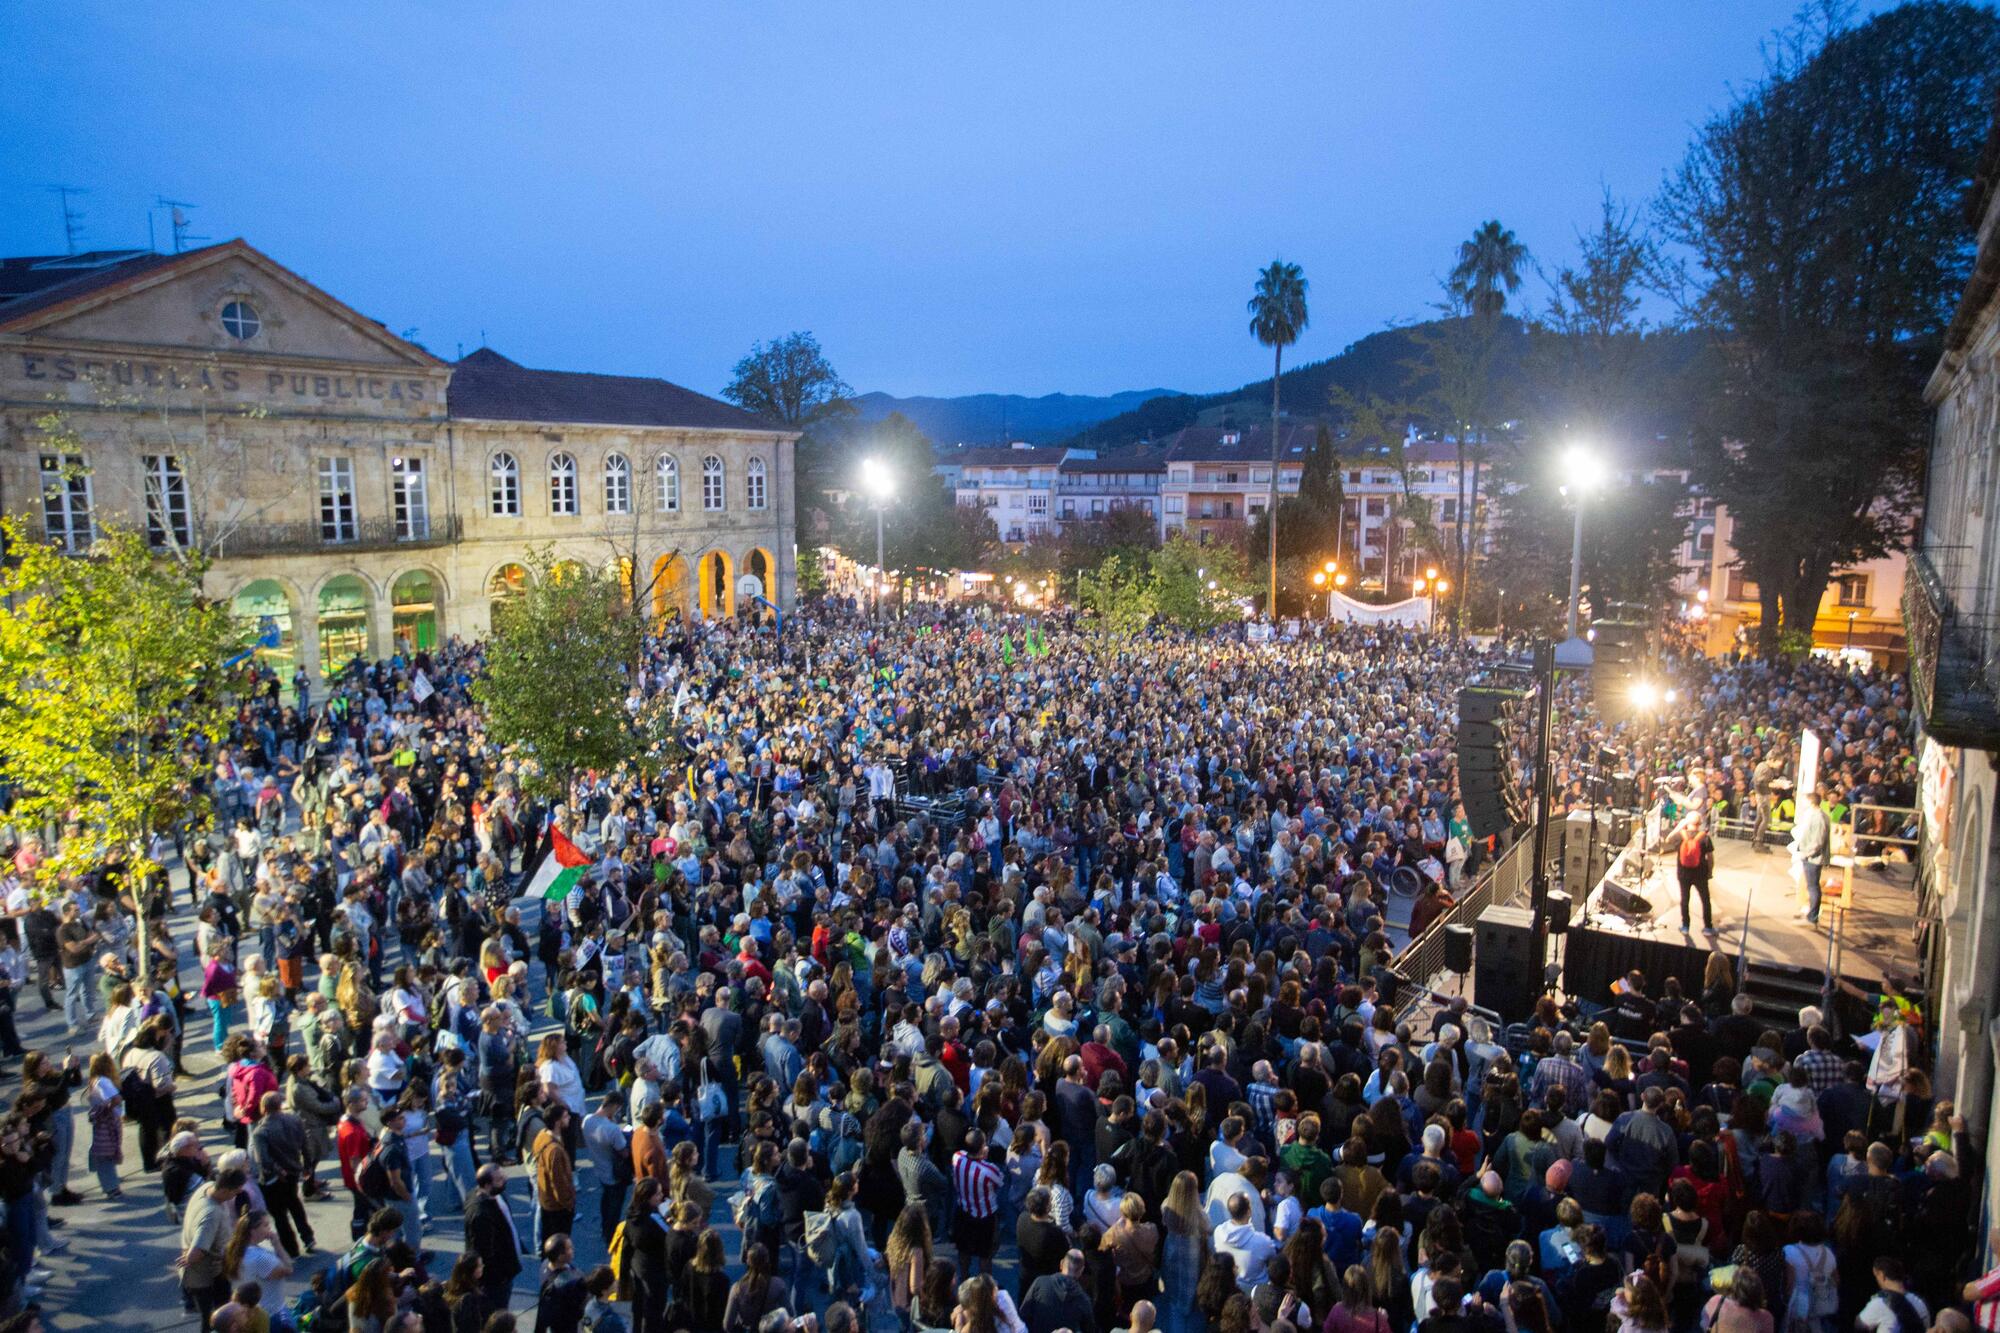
(789, 380)
(1827, 249)
(557, 676)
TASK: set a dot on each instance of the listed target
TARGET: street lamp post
(875, 479)
(1580, 466)
(1849, 647)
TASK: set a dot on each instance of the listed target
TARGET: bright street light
(1582, 471)
(880, 483)
(1319, 578)
(1340, 580)
(1644, 693)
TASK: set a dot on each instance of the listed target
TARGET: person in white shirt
(1223, 1190)
(1893, 1307)
(1286, 1212)
(1245, 1242)
(1223, 1156)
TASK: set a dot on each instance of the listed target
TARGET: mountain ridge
(996, 418)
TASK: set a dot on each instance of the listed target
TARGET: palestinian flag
(561, 869)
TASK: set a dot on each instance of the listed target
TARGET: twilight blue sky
(1023, 197)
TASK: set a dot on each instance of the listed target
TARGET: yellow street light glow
(1431, 573)
(1340, 580)
(1319, 578)
(1332, 565)
(1444, 585)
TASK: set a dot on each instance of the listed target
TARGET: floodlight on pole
(880, 483)
(1582, 471)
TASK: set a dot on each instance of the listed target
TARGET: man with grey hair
(1643, 1146)
(1561, 1069)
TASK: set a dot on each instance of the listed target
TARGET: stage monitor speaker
(1561, 906)
(1506, 975)
(1624, 790)
(1625, 902)
(1587, 849)
(1458, 949)
(1621, 828)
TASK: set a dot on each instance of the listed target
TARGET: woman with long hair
(756, 1293)
(645, 1265)
(107, 1123)
(1217, 1286)
(1053, 1176)
(462, 1295)
(1313, 1279)
(1639, 1306)
(985, 1307)
(705, 1286)
(1356, 1311)
(1184, 1242)
(937, 1297)
(685, 1182)
(371, 1301)
(1390, 1276)
(254, 1254)
(908, 1255)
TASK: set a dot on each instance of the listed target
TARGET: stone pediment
(226, 300)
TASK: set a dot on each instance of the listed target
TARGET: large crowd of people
(950, 987)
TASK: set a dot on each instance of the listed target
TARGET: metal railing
(1497, 882)
(373, 534)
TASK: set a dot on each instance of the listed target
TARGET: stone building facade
(1951, 606)
(360, 495)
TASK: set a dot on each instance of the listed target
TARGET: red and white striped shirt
(1986, 1303)
(978, 1183)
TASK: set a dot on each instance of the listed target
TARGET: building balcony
(375, 534)
(1951, 676)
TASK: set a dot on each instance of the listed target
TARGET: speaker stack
(1491, 724)
(1588, 849)
(1506, 976)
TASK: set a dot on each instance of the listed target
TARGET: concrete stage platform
(1875, 927)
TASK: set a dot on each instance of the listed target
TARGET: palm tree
(1277, 317)
(1488, 270)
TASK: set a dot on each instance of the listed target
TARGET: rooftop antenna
(72, 215)
(177, 213)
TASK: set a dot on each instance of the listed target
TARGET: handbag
(711, 1102)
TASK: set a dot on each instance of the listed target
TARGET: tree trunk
(1469, 520)
(1271, 604)
(1459, 536)
(1802, 597)
(1768, 621)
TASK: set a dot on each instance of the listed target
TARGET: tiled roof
(487, 386)
(1120, 460)
(1204, 444)
(1000, 456)
(31, 283)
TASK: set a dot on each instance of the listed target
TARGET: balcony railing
(374, 534)
(1953, 691)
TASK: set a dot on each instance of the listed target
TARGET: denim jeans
(423, 1176)
(1812, 873)
(62, 1129)
(77, 986)
(459, 1170)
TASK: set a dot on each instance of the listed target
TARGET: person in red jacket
(353, 1143)
(1098, 1057)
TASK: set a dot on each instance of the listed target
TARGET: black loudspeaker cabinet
(1624, 901)
(1506, 977)
(1458, 949)
(1561, 909)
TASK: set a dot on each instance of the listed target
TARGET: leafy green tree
(112, 673)
(790, 380)
(926, 532)
(1129, 531)
(1631, 537)
(1822, 214)
(811, 573)
(1182, 572)
(1121, 592)
(1591, 373)
(558, 673)
(1277, 318)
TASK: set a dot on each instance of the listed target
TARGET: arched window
(562, 484)
(617, 484)
(667, 484)
(711, 483)
(505, 478)
(754, 490)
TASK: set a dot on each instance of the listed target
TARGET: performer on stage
(1695, 867)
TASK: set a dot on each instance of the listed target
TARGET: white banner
(1414, 611)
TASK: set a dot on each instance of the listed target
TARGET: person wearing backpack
(248, 1080)
(1695, 866)
(759, 1211)
(1894, 1308)
(1815, 1276)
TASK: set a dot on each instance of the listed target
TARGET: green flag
(1007, 649)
